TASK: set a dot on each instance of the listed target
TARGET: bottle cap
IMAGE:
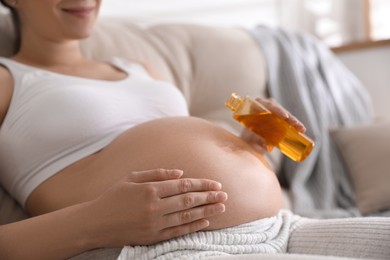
(234, 102)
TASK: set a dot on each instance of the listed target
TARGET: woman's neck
(47, 53)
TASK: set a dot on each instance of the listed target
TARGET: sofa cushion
(365, 150)
(6, 34)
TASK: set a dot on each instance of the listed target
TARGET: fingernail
(220, 208)
(221, 196)
(204, 223)
(215, 186)
(175, 173)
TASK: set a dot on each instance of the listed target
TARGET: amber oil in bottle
(270, 126)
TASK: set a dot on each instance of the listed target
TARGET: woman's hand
(143, 208)
(151, 206)
(257, 142)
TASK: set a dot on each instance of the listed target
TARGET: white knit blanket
(269, 235)
(309, 81)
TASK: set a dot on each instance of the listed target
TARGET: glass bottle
(270, 126)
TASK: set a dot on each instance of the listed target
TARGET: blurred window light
(380, 19)
(336, 22)
(318, 7)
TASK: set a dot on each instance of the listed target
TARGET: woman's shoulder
(6, 88)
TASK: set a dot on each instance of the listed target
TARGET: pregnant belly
(200, 149)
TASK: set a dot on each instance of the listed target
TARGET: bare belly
(200, 149)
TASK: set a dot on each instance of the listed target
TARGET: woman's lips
(79, 11)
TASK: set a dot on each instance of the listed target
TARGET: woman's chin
(79, 32)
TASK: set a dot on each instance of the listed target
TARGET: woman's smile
(81, 12)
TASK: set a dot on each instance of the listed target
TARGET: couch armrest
(365, 237)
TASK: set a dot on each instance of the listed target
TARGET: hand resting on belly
(199, 148)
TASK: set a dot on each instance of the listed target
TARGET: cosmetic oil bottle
(270, 126)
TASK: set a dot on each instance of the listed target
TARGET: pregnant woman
(108, 144)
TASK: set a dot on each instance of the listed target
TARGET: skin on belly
(200, 149)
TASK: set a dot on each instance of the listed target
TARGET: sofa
(207, 64)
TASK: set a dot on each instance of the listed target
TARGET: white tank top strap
(5, 61)
(13, 67)
(18, 72)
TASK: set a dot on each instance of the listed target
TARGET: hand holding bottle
(274, 125)
(258, 142)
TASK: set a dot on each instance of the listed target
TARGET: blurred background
(336, 22)
(358, 31)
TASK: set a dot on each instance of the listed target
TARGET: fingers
(191, 215)
(168, 185)
(154, 175)
(182, 230)
(296, 123)
(174, 187)
(276, 108)
(189, 221)
(191, 200)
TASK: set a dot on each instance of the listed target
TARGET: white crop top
(55, 120)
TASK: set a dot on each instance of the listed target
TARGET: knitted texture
(367, 237)
(300, 238)
(268, 235)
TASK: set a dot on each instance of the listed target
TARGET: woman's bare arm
(56, 235)
(143, 208)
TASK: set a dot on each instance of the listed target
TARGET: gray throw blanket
(308, 80)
